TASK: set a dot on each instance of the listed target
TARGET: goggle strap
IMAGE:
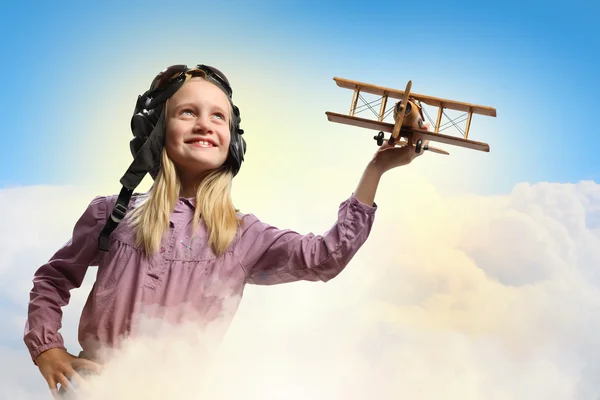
(118, 213)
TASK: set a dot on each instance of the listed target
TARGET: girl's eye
(187, 111)
(220, 115)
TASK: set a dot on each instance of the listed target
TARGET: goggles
(182, 72)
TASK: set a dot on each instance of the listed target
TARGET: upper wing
(432, 101)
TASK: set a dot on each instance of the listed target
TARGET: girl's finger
(55, 394)
(82, 363)
(81, 383)
(53, 388)
(385, 145)
(64, 382)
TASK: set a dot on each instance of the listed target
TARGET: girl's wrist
(375, 169)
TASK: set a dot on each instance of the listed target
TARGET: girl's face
(197, 132)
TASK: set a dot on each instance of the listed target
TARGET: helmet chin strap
(147, 159)
(140, 166)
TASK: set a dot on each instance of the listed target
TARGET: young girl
(182, 248)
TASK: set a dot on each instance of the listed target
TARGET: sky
(534, 62)
(515, 230)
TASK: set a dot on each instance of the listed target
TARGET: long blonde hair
(214, 207)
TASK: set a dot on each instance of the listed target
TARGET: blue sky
(536, 62)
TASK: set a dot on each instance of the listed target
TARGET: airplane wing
(452, 140)
(430, 100)
(387, 127)
(360, 122)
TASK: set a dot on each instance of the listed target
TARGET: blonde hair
(214, 207)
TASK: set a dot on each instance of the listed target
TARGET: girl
(182, 248)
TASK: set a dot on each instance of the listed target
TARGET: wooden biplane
(409, 118)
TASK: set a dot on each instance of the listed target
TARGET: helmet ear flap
(135, 145)
(243, 143)
(142, 124)
(237, 147)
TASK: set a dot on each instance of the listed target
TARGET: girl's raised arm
(271, 256)
(386, 158)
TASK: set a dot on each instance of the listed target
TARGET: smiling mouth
(201, 143)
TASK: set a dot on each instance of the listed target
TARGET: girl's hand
(58, 366)
(388, 157)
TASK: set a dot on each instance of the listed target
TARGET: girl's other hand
(59, 366)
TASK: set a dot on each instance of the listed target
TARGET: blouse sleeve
(272, 256)
(64, 271)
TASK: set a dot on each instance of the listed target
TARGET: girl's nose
(202, 124)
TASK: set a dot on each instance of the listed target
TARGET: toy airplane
(408, 117)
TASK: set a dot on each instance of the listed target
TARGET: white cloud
(457, 298)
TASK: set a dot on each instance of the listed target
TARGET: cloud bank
(455, 298)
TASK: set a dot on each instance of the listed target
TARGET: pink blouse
(184, 278)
